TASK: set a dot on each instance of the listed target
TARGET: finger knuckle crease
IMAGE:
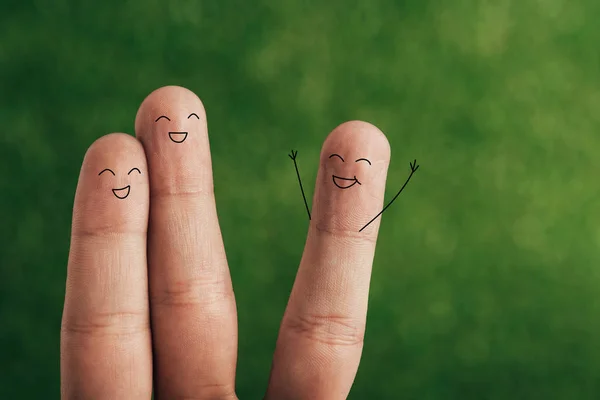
(122, 323)
(114, 231)
(182, 193)
(193, 292)
(353, 236)
(212, 391)
(328, 329)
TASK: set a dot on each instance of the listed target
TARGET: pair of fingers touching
(149, 303)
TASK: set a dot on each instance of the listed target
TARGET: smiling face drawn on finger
(177, 136)
(348, 179)
(121, 193)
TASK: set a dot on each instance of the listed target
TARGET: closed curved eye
(163, 116)
(336, 155)
(107, 169)
(193, 114)
(363, 159)
(134, 169)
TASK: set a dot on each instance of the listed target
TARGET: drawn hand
(414, 166)
(293, 155)
(149, 303)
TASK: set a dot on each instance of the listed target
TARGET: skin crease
(321, 336)
(105, 329)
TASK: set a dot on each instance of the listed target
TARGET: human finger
(321, 336)
(105, 333)
(194, 321)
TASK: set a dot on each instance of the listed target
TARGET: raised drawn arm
(293, 157)
(413, 169)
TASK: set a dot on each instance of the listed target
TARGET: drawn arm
(413, 169)
(293, 157)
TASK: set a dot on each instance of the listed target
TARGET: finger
(321, 336)
(194, 320)
(105, 334)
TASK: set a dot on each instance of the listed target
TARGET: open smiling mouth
(122, 193)
(178, 137)
(344, 183)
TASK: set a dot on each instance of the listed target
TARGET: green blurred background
(486, 278)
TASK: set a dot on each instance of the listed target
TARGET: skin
(121, 193)
(167, 321)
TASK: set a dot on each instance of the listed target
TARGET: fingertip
(173, 102)
(112, 192)
(358, 137)
(171, 125)
(110, 147)
(351, 179)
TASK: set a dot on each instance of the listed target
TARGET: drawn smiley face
(121, 193)
(177, 136)
(346, 182)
